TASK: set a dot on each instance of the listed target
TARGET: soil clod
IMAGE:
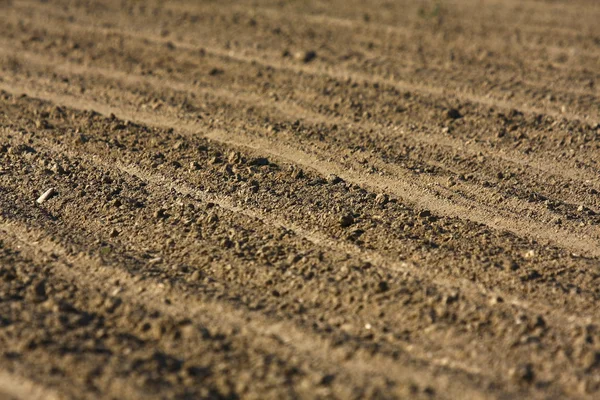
(453, 113)
(346, 220)
(306, 56)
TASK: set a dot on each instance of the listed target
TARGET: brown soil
(307, 199)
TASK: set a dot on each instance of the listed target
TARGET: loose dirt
(306, 199)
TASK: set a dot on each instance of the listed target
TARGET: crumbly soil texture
(299, 199)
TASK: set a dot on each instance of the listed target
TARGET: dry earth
(305, 199)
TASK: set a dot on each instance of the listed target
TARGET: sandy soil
(306, 199)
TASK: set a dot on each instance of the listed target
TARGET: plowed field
(305, 199)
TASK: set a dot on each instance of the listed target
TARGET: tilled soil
(306, 199)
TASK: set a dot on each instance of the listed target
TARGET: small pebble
(333, 179)
(47, 194)
(382, 199)
(161, 214)
(215, 72)
(523, 373)
(529, 254)
(509, 264)
(195, 276)
(297, 174)
(155, 261)
(58, 169)
(425, 214)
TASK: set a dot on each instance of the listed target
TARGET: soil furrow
(170, 292)
(590, 174)
(318, 238)
(437, 198)
(127, 284)
(495, 161)
(266, 17)
(585, 268)
(175, 327)
(465, 299)
(271, 60)
(587, 193)
(487, 33)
